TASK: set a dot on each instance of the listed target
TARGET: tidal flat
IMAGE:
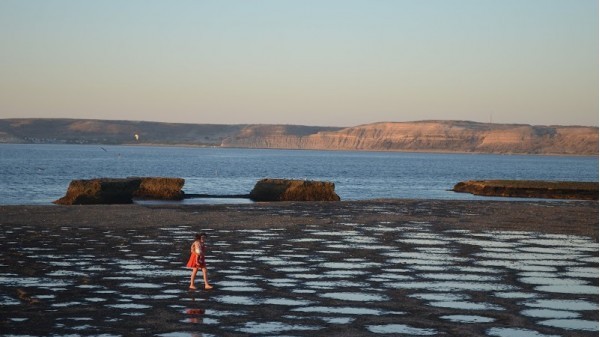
(352, 268)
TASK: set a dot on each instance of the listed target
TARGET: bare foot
(192, 288)
(207, 287)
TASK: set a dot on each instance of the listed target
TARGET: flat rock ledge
(293, 190)
(530, 189)
(121, 190)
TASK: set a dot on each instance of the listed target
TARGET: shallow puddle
(423, 242)
(37, 282)
(128, 306)
(572, 324)
(490, 243)
(306, 240)
(63, 273)
(278, 261)
(582, 272)
(548, 313)
(573, 305)
(233, 284)
(222, 313)
(532, 258)
(340, 310)
(400, 329)
(464, 305)
(238, 300)
(468, 319)
(356, 296)
(95, 299)
(450, 286)
(141, 285)
(285, 283)
(241, 289)
(569, 289)
(515, 294)
(412, 263)
(391, 277)
(273, 327)
(336, 284)
(562, 241)
(358, 246)
(349, 265)
(514, 332)
(7, 300)
(286, 301)
(440, 297)
(463, 277)
(66, 304)
(361, 239)
(337, 320)
(184, 334)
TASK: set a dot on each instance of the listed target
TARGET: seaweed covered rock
(100, 191)
(293, 190)
(121, 190)
(161, 188)
(530, 189)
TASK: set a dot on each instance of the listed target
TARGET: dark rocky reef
(121, 190)
(293, 190)
(530, 189)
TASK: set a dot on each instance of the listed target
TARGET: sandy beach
(352, 268)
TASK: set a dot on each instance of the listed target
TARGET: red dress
(197, 260)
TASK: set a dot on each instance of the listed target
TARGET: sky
(308, 62)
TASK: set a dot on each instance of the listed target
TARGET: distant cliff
(441, 136)
(423, 136)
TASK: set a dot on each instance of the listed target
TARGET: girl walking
(197, 260)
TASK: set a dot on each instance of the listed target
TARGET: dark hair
(199, 235)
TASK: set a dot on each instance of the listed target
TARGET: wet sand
(386, 267)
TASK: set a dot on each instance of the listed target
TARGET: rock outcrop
(530, 189)
(160, 188)
(293, 190)
(121, 190)
(100, 191)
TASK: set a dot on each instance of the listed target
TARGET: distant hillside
(423, 136)
(83, 131)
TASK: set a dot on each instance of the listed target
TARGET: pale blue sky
(338, 63)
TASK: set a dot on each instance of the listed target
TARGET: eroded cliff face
(442, 136)
(274, 136)
(432, 136)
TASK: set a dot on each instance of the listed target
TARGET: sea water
(39, 174)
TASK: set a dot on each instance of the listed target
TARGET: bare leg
(193, 278)
(206, 284)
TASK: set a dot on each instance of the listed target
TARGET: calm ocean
(39, 174)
